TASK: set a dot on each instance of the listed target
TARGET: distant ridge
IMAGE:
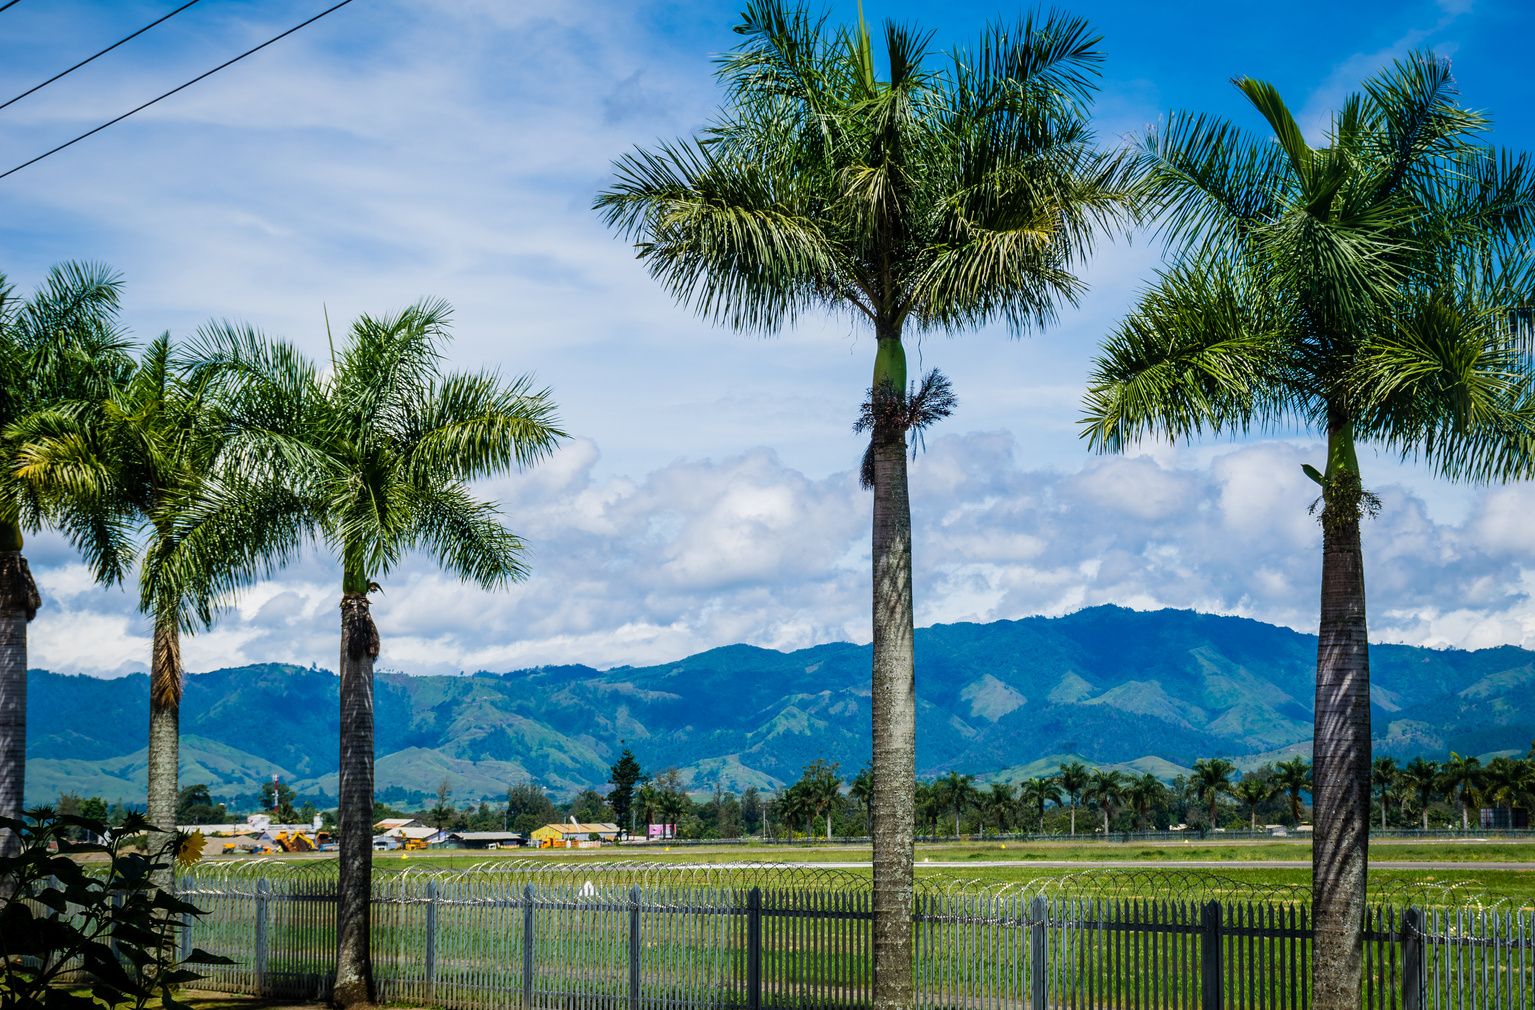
(1152, 690)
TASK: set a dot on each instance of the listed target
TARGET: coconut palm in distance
(1293, 777)
(1384, 776)
(1106, 789)
(1144, 793)
(380, 451)
(1073, 778)
(1253, 790)
(934, 199)
(1460, 778)
(1034, 793)
(1376, 288)
(61, 345)
(1210, 781)
(1422, 777)
(955, 792)
(997, 802)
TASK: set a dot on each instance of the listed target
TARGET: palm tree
(1106, 789)
(1211, 780)
(380, 451)
(1073, 778)
(996, 802)
(1038, 791)
(1293, 777)
(1384, 775)
(1461, 779)
(61, 345)
(146, 458)
(1422, 777)
(1143, 794)
(647, 801)
(1253, 790)
(925, 808)
(1375, 288)
(862, 790)
(934, 200)
(955, 791)
(1508, 781)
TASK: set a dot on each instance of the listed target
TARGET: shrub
(77, 934)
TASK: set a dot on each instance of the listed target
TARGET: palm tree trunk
(359, 647)
(1073, 818)
(1341, 761)
(18, 605)
(893, 703)
(164, 740)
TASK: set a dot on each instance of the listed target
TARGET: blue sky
(397, 150)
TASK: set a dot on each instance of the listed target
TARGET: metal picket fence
(748, 937)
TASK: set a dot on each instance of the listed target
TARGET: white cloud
(703, 553)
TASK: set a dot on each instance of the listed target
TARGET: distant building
(574, 835)
(388, 825)
(1505, 818)
(487, 839)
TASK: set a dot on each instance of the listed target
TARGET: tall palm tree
(1384, 775)
(935, 199)
(1422, 777)
(1034, 793)
(1253, 790)
(1073, 778)
(1461, 779)
(1106, 790)
(1293, 777)
(1143, 794)
(1374, 288)
(61, 345)
(146, 459)
(956, 792)
(381, 450)
(1211, 780)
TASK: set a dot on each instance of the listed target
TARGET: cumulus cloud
(703, 553)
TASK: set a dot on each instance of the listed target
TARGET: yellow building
(573, 836)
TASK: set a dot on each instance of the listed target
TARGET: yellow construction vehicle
(411, 844)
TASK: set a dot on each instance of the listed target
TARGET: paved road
(1202, 864)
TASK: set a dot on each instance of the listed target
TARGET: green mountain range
(1149, 691)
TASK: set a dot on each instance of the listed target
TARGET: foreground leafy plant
(61, 918)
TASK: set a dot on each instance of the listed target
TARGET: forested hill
(1110, 685)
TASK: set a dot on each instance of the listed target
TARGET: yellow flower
(189, 847)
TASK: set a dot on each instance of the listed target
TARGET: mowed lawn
(1021, 862)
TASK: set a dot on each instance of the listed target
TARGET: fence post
(431, 939)
(1039, 912)
(754, 949)
(261, 903)
(634, 947)
(527, 947)
(1412, 959)
(1210, 981)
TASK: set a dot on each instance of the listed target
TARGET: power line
(8, 6)
(171, 92)
(88, 59)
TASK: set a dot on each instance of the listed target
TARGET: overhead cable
(88, 59)
(8, 6)
(171, 92)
